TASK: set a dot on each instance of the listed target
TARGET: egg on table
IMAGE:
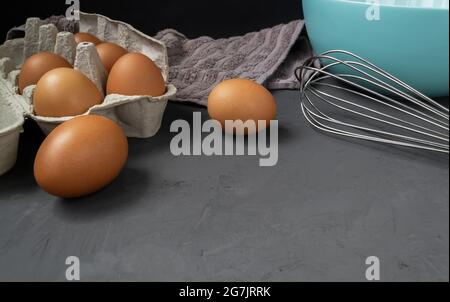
(81, 156)
(109, 53)
(135, 74)
(244, 100)
(37, 65)
(86, 37)
(65, 92)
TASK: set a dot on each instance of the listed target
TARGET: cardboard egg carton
(139, 116)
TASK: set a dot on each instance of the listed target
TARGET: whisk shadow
(427, 157)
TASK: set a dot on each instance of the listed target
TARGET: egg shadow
(285, 134)
(121, 195)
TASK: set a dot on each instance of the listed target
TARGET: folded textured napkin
(268, 57)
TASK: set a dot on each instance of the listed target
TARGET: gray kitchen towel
(268, 57)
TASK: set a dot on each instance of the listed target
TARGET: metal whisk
(366, 102)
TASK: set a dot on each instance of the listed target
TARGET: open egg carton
(139, 116)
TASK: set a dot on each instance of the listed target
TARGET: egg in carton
(139, 116)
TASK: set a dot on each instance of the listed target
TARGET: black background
(194, 18)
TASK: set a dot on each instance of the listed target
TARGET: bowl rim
(400, 5)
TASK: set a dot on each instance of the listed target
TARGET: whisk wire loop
(346, 95)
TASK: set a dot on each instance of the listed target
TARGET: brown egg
(135, 74)
(86, 37)
(37, 65)
(81, 156)
(109, 53)
(241, 99)
(65, 92)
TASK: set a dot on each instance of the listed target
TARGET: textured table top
(316, 216)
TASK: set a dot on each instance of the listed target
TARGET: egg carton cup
(139, 116)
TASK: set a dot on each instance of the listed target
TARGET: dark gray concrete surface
(316, 216)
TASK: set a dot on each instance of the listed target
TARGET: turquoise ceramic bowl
(408, 38)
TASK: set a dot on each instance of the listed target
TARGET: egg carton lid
(11, 121)
(11, 110)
